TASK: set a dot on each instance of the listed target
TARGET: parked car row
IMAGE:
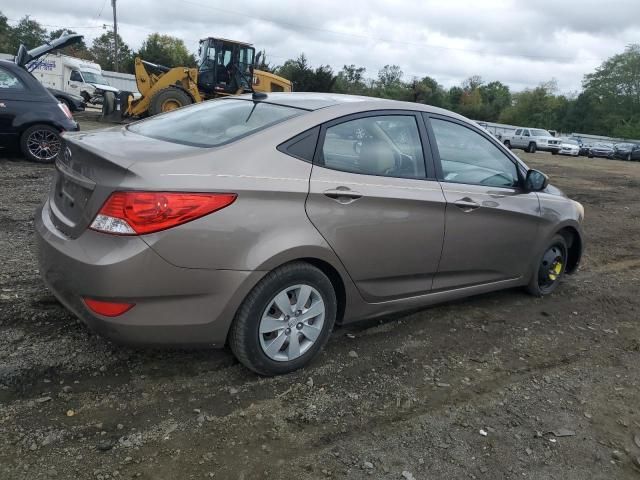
(620, 151)
(535, 139)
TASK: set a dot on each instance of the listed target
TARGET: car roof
(316, 101)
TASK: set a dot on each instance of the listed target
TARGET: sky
(518, 42)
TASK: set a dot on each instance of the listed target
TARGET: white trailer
(72, 75)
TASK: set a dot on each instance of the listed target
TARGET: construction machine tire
(169, 99)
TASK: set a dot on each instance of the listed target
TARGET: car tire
(531, 148)
(547, 274)
(507, 144)
(169, 99)
(628, 157)
(256, 330)
(40, 143)
(590, 156)
(554, 152)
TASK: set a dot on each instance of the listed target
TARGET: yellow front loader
(225, 68)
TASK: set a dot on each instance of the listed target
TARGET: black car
(30, 116)
(75, 103)
(601, 150)
(627, 151)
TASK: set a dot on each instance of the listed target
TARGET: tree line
(609, 103)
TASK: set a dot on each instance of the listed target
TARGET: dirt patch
(471, 389)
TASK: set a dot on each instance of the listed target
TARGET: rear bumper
(173, 305)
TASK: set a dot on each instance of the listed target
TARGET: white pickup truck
(531, 140)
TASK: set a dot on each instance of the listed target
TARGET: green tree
(614, 89)
(28, 32)
(390, 85)
(496, 97)
(305, 78)
(351, 80)
(166, 50)
(103, 49)
(6, 33)
(428, 91)
(534, 107)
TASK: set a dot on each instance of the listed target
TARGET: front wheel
(550, 268)
(554, 152)
(285, 321)
(531, 148)
(507, 144)
(628, 157)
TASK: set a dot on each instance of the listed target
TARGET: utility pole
(115, 36)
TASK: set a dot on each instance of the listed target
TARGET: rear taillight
(66, 110)
(107, 309)
(137, 213)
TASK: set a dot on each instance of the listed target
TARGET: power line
(101, 9)
(57, 26)
(378, 39)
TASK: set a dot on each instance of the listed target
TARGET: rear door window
(214, 123)
(386, 145)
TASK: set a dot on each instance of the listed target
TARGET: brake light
(65, 110)
(108, 309)
(138, 213)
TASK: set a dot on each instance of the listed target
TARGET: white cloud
(521, 43)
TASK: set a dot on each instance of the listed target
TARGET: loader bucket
(115, 106)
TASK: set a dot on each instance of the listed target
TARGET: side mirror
(535, 181)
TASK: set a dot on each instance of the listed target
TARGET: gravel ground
(496, 386)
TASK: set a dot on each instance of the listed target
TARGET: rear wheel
(550, 268)
(40, 143)
(169, 99)
(285, 320)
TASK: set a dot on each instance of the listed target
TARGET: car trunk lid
(91, 166)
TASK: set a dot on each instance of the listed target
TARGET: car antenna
(257, 96)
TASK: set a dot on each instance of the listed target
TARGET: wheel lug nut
(286, 317)
(298, 313)
(299, 326)
(287, 331)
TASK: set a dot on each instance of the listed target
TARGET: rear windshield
(214, 123)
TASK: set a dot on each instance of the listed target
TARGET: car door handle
(342, 194)
(466, 204)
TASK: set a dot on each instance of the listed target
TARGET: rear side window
(9, 81)
(385, 145)
(214, 123)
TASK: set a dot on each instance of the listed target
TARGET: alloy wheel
(291, 323)
(43, 145)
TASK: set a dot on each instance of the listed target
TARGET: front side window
(468, 157)
(91, 77)
(213, 123)
(9, 81)
(387, 145)
(518, 132)
(75, 76)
